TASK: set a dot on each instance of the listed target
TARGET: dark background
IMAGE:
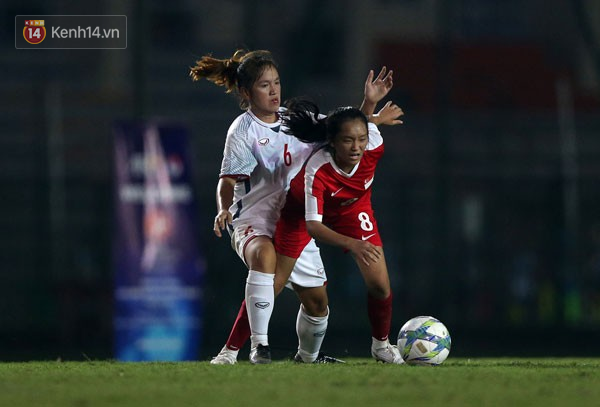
(487, 197)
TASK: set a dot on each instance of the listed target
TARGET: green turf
(360, 382)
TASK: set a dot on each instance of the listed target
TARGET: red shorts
(291, 235)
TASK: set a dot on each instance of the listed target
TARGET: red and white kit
(323, 192)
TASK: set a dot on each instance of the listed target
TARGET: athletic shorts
(291, 235)
(243, 233)
(309, 270)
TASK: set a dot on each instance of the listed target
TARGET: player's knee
(380, 292)
(260, 255)
(316, 307)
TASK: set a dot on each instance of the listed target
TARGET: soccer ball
(424, 341)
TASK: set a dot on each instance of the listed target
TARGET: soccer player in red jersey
(330, 200)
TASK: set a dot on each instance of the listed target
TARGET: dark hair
(242, 70)
(303, 122)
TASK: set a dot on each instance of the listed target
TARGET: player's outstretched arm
(389, 114)
(376, 89)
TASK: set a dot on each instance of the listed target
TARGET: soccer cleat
(260, 355)
(387, 354)
(225, 357)
(322, 358)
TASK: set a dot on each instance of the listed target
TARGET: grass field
(360, 382)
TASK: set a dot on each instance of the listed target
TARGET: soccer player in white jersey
(259, 162)
(330, 201)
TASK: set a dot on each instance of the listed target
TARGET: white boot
(225, 357)
(385, 352)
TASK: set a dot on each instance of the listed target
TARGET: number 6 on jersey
(287, 156)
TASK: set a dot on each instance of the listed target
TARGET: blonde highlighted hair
(242, 70)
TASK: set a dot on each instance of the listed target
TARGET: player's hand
(366, 252)
(389, 114)
(376, 89)
(222, 219)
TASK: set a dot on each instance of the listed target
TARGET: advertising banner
(157, 263)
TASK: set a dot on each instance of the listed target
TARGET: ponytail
(242, 70)
(222, 72)
(303, 122)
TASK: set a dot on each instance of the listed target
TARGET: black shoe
(322, 358)
(261, 355)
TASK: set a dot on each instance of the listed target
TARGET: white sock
(259, 303)
(311, 332)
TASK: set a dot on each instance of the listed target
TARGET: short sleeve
(314, 190)
(375, 139)
(238, 159)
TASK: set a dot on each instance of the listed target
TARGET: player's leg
(379, 308)
(240, 332)
(299, 265)
(311, 322)
(361, 224)
(309, 281)
(302, 266)
(260, 257)
(283, 270)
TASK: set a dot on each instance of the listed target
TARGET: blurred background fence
(487, 197)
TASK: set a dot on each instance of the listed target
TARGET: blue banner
(157, 263)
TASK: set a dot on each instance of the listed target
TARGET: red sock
(380, 316)
(240, 332)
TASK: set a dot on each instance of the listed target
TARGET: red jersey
(340, 200)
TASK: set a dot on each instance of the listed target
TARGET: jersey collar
(273, 126)
(338, 169)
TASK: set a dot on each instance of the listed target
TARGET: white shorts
(309, 270)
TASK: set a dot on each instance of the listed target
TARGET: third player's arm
(389, 114)
(363, 250)
(376, 89)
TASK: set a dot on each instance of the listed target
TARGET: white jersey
(263, 160)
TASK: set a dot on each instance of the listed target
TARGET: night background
(487, 197)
